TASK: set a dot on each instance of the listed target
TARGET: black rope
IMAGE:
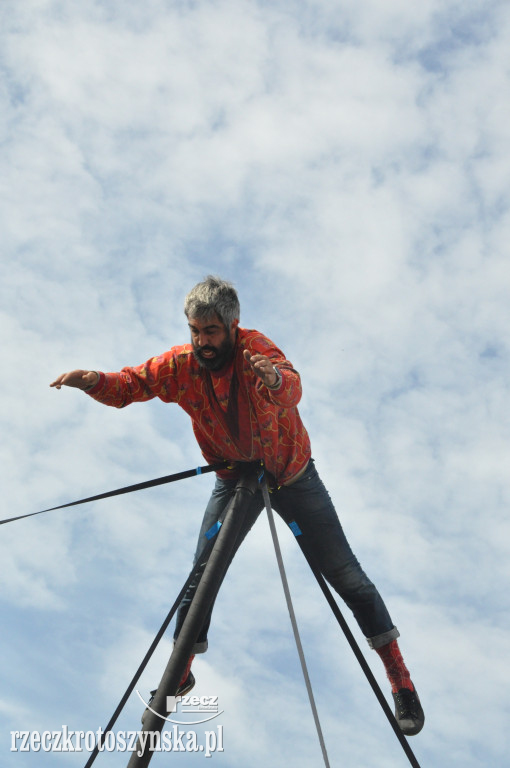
(356, 649)
(194, 578)
(127, 489)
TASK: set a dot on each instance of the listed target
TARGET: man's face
(213, 343)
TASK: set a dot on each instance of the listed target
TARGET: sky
(345, 164)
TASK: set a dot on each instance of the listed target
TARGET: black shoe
(187, 685)
(182, 690)
(408, 711)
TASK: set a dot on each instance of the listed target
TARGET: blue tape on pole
(294, 527)
(213, 531)
(199, 470)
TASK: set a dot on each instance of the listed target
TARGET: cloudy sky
(346, 165)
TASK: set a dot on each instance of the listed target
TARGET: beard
(222, 355)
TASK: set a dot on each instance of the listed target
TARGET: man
(242, 395)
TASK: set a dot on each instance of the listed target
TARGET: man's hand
(79, 379)
(263, 367)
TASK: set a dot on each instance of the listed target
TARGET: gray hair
(213, 296)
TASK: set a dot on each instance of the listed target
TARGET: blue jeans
(307, 503)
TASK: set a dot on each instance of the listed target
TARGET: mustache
(206, 348)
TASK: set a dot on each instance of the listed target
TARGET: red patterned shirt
(234, 415)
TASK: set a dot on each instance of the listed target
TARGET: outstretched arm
(79, 379)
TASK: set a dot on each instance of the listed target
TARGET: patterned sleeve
(288, 394)
(155, 378)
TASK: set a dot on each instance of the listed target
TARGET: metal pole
(131, 687)
(293, 621)
(204, 597)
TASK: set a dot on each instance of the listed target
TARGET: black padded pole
(132, 685)
(204, 597)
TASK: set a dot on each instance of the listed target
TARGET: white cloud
(346, 165)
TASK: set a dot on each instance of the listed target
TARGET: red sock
(186, 671)
(397, 672)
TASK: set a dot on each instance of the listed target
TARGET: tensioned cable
(265, 494)
(127, 489)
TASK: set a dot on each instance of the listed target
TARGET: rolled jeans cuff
(383, 639)
(199, 647)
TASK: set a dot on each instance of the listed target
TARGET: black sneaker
(408, 711)
(182, 690)
(187, 685)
